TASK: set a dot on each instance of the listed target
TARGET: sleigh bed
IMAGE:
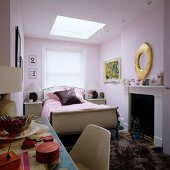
(72, 116)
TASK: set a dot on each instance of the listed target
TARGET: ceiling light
(72, 27)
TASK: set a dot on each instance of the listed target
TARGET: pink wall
(148, 28)
(35, 46)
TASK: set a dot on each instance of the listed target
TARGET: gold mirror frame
(147, 50)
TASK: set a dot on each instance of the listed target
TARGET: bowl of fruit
(14, 125)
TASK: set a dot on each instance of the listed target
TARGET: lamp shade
(10, 78)
(33, 88)
(93, 86)
(10, 81)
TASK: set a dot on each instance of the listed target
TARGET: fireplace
(157, 95)
(142, 114)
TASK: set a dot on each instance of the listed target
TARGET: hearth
(157, 93)
(142, 116)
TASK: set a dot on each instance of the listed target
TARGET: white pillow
(80, 94)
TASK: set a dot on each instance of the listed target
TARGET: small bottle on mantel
(161, 78)
(158, 80)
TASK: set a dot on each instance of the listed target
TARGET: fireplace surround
(157, 92)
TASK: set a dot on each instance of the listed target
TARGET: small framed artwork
(17, 47)
(112, 70)
(32, 60)
(32, 73)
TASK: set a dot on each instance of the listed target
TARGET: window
(65, 26)
(64, 67)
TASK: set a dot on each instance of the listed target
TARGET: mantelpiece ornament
(147, 50)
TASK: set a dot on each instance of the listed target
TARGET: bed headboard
(60, 88)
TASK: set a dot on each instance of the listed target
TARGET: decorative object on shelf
(94, 95)
(7, 86)
(132, 82)
(102, 95)
(17, 47)
(92, 87)
(112, 70)
(146, 82)
(161, 78)
(147, 50)
(32, 73)
(32, 89)
(154, 80)
(89, 95)
(32, 60)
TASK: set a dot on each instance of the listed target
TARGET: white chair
(92, 149)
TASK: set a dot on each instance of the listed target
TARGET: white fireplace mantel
(157, 92)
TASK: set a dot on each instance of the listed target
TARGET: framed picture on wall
(17, 47)
(32, 73)
(112, 70)
(32, 60)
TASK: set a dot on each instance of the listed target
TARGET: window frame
(44, 54)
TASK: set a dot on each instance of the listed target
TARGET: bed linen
(69, 118)
(51, 105)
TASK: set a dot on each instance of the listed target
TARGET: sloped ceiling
(38, 16)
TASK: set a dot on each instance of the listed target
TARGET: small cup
(31, 100)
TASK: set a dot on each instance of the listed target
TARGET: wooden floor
(147, 141)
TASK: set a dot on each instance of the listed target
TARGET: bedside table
(97, 101)
(34, 108)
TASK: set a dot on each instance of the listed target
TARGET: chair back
(92, 149)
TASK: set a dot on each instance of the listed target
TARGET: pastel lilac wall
(35, 46)
(15, 20)
(4, 33)
(113, 91)
(10, 17)
(166, 105)
(148, 28)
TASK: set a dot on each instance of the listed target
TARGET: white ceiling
(38, 16)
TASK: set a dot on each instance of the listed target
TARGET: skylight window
(72, 27)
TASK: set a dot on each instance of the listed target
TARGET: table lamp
(32, 89)
(93, 91)
(10, 81)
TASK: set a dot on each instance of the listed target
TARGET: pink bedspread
(51, 105)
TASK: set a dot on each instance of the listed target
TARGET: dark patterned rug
(127, 155)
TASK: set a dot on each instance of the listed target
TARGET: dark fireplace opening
(142, 115)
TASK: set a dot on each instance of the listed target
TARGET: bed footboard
(76, 121)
